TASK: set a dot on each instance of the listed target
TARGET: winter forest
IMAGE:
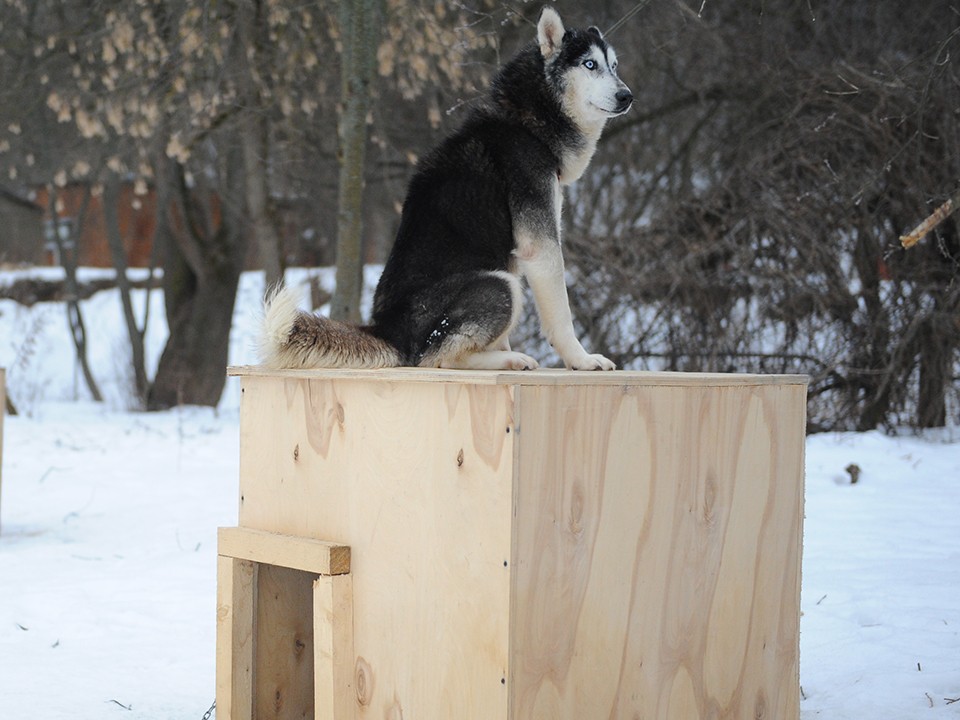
(163, 162)
(744, 216)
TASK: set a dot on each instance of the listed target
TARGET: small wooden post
(236, 585)
(335, 698)
(3, 410)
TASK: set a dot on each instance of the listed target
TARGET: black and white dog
(482, 210)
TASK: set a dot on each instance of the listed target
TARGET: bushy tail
(291, 338)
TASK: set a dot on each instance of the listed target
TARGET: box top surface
(535, 377)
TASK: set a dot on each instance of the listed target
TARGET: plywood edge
(236, 609)
(307, 554)
(333, 650)
(625, 378)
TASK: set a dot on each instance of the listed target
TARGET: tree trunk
(202, 269)
(192, 368)
(68, 259)
(935, 374)
(359, 29)
(872, 389)
(937, 347)
(111, 210)
(254, 135)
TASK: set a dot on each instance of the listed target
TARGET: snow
(108, 543)
(108, 560)
(880, 632)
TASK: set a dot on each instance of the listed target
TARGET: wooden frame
(527, 546)
(284, 627)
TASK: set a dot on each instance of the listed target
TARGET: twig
(630, 13)
(934, 219)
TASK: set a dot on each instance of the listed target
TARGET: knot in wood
(576, 511)
(364, 681)
(760, 709)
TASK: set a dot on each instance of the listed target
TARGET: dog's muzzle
(624, 100)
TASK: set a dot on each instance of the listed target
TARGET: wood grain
(236, 601)
(333, 655)
(297, 553)
(657, 553)
(283, 663)
(534, 546)
(416, 478)
(540, 377)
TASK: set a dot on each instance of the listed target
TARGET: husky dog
(482, 210)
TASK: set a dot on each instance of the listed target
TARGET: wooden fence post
(3, 410)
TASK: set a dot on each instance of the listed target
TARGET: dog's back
(456, 220)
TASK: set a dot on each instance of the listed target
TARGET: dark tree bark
(938, 340)
(254, 135)
(67, 247)
(203, 262)
(359, 22)
(111, 203)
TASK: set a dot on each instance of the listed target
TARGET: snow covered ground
(108, 544)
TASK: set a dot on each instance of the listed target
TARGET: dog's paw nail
(594, 362)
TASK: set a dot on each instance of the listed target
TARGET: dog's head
(582, 67)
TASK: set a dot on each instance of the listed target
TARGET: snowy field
(108, 544)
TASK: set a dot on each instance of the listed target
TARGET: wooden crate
(546, 545)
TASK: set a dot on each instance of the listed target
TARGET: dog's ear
(594, 30)
(549, 32)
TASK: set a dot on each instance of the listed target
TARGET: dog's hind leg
(474, 329)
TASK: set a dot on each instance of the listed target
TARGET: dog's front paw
(592, 362)
(519, 361)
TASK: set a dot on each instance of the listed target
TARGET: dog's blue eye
(589, 64)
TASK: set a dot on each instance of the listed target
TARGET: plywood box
(523, 546)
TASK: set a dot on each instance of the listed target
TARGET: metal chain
(209, 713)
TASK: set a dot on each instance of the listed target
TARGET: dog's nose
(624, 99)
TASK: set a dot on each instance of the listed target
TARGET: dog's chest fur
(574, 161)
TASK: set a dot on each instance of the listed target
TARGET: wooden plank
(537, 377)
(416, 478)
(333, 658)
(236, 600)
(297, 553)
(283, 665)
(657, 553)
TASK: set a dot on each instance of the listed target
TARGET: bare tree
(359, 24)
(135, 332)
(253, 37)
(67, 238)
(183, 96)
(746, 215)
